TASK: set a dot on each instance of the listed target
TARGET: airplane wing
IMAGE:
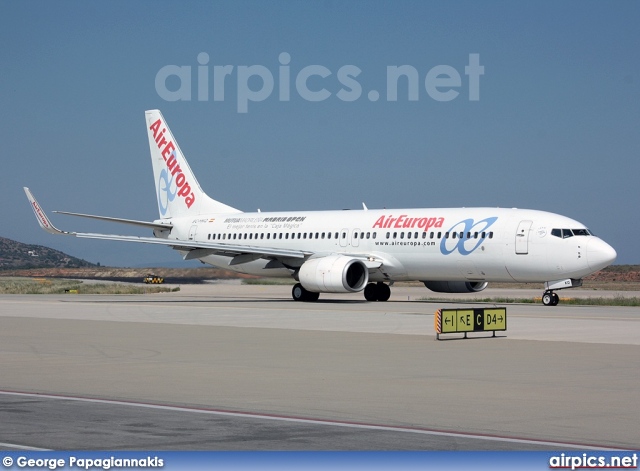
(197, 249)
(152, 225)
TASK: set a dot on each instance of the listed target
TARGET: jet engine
(456, 286)
(334, 274)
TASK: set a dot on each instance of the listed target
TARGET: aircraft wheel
(384, 292)
(548, 298)
(299, 293)
(371, 292)
(556, 299)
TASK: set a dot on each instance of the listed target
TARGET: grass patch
(600, 301)
(18, 285)
(269, 281)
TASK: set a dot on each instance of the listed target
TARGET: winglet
(42, 218)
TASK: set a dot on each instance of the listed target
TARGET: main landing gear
(377, 291)
(299, 293)
(549, 298)
(372, 292)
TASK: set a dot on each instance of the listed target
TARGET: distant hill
(16, 255)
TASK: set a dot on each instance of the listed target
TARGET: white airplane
(451, 250)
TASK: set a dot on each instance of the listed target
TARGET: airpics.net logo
(312, 83)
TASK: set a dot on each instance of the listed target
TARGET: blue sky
(555, 126)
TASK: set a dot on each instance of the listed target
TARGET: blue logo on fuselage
(466, 236)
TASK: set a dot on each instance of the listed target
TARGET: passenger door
(522, 237)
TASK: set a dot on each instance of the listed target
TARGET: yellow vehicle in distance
(153, 279)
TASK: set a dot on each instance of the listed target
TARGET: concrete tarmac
(338, 374)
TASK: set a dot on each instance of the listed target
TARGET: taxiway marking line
(303, 420)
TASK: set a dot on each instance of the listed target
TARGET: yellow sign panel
(495, 319)
(448, 323)
(465, 320)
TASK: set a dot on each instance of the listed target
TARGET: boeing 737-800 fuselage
(449, 249)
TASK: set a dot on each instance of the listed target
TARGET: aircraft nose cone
(600, 254)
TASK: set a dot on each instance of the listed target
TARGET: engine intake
(456, 286)
(334, 274)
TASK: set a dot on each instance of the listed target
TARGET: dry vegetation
(19, 285)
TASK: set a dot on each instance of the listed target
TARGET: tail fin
(178, 191)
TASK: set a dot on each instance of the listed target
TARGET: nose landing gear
(549, 298)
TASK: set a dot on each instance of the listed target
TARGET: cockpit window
(566, 233)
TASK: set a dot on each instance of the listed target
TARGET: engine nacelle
(456, 286)
(334, 274)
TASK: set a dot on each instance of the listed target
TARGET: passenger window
(388, 234)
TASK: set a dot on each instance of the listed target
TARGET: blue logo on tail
(164, 191)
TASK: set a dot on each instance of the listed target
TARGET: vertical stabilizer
(177, 189)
